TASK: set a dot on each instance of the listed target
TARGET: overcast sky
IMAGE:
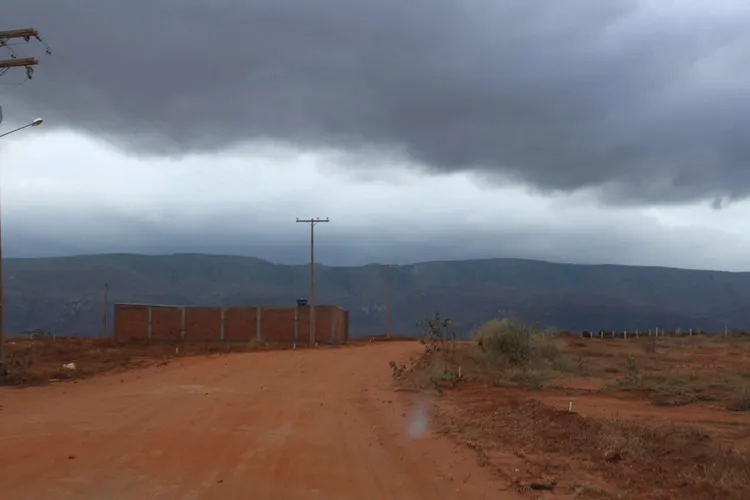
(582, 131)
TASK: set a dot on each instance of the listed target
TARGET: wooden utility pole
(5, 65)
(25, 33)
(15, 62)
(388, 306)
(18, 62)
(3, 369)
(313, 223)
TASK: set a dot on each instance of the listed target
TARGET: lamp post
(35, 123)
(3, 370)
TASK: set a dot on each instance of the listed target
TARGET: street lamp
(35, 123)
(3, 370)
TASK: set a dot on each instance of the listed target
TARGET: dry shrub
(513, 353)
(506, 341)
(510, 342)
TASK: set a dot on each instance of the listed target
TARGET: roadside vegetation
(503, 352)
(504, 384)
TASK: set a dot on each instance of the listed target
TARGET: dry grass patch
(625, 455)
(741, 401)
(680, 388)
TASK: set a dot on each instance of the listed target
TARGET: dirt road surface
(319, 424)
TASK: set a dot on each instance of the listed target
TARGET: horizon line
(409, 264)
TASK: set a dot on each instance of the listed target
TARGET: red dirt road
(320, 424)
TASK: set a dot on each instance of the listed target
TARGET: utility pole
(104, 316)
(313, 223)
(388, 313)
(6, 65)
(16, 62)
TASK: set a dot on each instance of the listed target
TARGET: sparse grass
(504, 353)
(39, 361)
(588, 492)
(630, 455)
(684, 388)
(741, 401)
(726, 470)
(622, 457)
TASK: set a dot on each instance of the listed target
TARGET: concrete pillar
(148, 328)
(296, 325)
(258, 327)
(221, 327)
(333, 324)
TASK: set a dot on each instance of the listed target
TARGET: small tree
(439, 340)
(439, 337)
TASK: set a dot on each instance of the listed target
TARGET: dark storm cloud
(561, 95)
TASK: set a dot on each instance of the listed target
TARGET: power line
(313, 223)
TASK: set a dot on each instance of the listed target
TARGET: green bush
(509, 341)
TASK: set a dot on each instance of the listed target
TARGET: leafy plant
(396, 370)
(439, 343)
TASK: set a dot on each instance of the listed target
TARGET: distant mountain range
(65, 295)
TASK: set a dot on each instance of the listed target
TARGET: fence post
(221, 327)
(333, 325)
(149, 328)
(183, 316)
(258, 326)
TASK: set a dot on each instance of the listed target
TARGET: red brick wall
(240, 323)
(277, 324)
(326, 319)
(166, 323)
(202, 323)
(131, 322)
(341, 322)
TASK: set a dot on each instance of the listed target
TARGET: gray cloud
(643, 105)
(628, 239)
